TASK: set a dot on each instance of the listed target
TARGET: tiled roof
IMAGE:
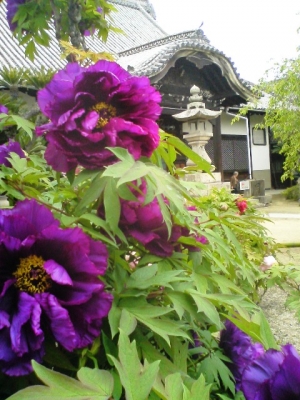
(137, 24)
(155, 58)
(144, 47)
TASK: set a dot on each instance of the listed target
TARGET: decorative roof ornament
(148, 7)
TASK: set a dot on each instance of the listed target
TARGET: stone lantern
(197, 131)
(195, 124)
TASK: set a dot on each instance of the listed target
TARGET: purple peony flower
(12, 7)
(3, 109)
(237, 346)
(97, 107)
(145, 223)
(11, 147)
(48, 285)
(273, 376)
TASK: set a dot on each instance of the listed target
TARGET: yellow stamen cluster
(105, 111)
(31, 275)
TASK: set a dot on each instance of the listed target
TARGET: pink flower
(241, 205)
(267, 263)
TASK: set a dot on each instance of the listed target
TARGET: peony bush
(118, 278)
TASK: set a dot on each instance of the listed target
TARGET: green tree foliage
(280, 91)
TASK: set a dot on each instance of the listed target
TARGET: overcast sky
(253, 33)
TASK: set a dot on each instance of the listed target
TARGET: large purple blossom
(238, 347)
(270, 375)
(48, 285)
(97, 107)
(12, 8)
(6, 149)
(273, 376)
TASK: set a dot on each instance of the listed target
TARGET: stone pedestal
(209, 181)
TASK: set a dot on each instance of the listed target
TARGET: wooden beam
(218, 147)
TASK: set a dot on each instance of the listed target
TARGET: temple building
(174, 63)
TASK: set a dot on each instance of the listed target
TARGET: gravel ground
(285, 326)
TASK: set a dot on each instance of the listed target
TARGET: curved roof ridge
(129, 3)
(194, 34)
(155, 63)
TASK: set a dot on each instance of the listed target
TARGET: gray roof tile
(138, 25)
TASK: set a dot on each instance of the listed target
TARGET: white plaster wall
(238, 128)
(260, 154)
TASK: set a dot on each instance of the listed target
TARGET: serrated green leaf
(60, 386)
(136, 379)
(122, 154)
(174, 386)
(71, 176)
(99, 380)
(127, 322)
(182, 302)
(207, 308)
(148, 276)
(112, 205)
(138, 170)
(186, 151)
(30, 50)
(94, 191)
(114, 317)
(85, 175)
(199, 387)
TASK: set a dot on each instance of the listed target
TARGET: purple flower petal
(257, 375)
(3, 109)
(59, 320)
(58, 273)
(286, 382)
(51, 275)
(6, 149)
(97, 107)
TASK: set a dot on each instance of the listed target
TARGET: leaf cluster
(33, 21)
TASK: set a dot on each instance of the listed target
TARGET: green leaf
(174, 387)
(148, 276)
(94, 191)
(85, 175)
(152, 354)
(112, 205)
(182, 302)
(114, 317)
(186, 151)
(93, 384)
(197, 387)
(137, 379)
(127, 322)
(207, 308)
(266, 334)
(138, 170)
(30, 50)
(99, 380)
(71, 176)
(122, 154)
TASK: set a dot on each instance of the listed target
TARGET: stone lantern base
(209, 181)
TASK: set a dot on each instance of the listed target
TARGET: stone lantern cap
(196, 109)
